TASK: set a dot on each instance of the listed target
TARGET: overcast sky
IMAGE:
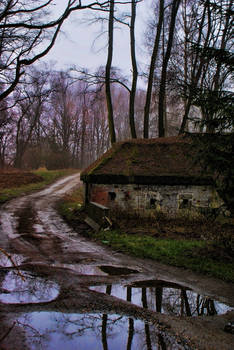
(80, 44)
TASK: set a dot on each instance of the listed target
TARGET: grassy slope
(186, 253)
(48, 177)
(181, 253)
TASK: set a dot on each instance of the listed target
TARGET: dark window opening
(185, 204)
(126, 196)
(152, 203)
(112, 195)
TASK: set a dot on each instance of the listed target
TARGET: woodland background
(62, 119)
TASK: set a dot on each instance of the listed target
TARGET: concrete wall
(144, 197)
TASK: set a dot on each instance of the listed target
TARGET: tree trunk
(110, 113)
(151, 71)
(134, 72)
(162, 89)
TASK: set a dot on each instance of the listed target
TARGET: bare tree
(27, 33)
(134, 70)
(163, 79)
(152, 68)
(29, 105)
(212, 30)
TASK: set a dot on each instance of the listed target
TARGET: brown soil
(13, 179)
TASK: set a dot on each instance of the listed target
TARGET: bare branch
(13, 263)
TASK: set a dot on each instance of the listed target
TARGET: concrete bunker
(150, 174)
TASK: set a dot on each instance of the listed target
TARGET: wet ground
(58, 290)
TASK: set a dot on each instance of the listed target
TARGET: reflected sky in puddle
(9, 260)
(170, 301)
(57, 331)
(30, 290)
(54, 330)
(85, 269)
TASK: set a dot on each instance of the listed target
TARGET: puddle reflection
(8, 260)
(167, 300)
(53, 330)
(57, 330)
(31, 289)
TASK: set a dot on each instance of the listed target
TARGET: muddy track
(45, 247)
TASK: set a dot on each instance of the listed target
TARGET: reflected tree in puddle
(35, 336)
(54, 318)
(168, 299)
(158, 293)
(31, 289)
(130, 321)
(104, 323)
(205, 306)
(90, 331)
(58, 330)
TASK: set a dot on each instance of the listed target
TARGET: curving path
(42, 244)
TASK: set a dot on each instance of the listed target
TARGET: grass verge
(181, 253)
(48, 176)
(200, 255)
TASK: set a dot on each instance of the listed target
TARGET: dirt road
(68, 291)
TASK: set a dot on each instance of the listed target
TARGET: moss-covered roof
(147, 161)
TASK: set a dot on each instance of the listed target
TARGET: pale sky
(77, 44)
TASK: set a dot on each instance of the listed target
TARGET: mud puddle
(59, 331)
(166, 298)
(53, 317)
(22, 287)
(31, 302)
(76, 294)
(116, 271)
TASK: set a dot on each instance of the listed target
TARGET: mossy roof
(147, 161)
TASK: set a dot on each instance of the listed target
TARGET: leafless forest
(61, 119)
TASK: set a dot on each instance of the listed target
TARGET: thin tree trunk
(162, 89)
(185, 52)
(110, 113)
(130, 322)
(151, 71)
(158, 297)
(134, 72)
(186, 302)
(83, 131)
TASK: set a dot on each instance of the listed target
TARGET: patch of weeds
(72, 210)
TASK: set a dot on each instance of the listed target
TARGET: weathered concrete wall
(143, 197)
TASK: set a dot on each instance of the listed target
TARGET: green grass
(185, 253)
(210, 256)
(181, 253)
(48, 176)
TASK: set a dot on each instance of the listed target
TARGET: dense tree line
(61, 119)
(51, 120)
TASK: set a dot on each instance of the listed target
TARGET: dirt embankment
(12, 179)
